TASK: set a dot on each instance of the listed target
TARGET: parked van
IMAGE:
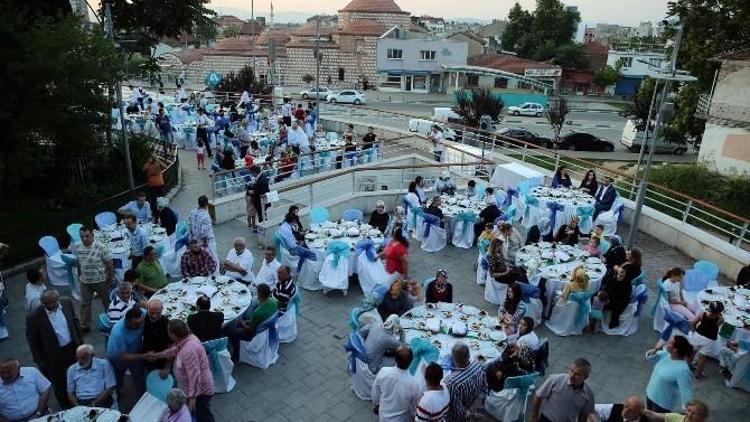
(446, 114)
(632, 139)
(424, 127)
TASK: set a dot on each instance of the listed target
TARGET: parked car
(632, 139)
(584, 141)
(349, 96)
(524, 135)
(424, 127)
(527, 109)
(310, 93)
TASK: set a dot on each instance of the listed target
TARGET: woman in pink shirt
(191, 369)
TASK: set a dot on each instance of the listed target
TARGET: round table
(736, 302)
(456, 204)
(227, 296)
(555, 264)
(84, 414)
(115, 239)
(434, 322)
(571, 199)
(320, 235)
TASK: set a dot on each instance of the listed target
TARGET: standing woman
(510, 314)
(671, 377)
(399, 219)
(250, 205)
(396, 256)
(589, 183)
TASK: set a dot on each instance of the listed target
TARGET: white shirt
(244, 260)
(20, 398)
(413, 200)
(286, 109)
(437, 138)
(434, 405)
(60, 325)
(245, 98)
(672, 289)
(33, 296)
(301, 138)
(203, 121)
(530, 340)
(397, 393)
(267, 273)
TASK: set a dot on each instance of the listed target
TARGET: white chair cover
(628, 320)
(335, 278)
(504, 405)
(563, 319)
(609, 218)
(691, 297)
(308, 275)
(659, 323)
(259, 351)
(481, 272)
(463, 239)
(494, 292)
(436, 241)
(57, 271)
(534, 308)
(371, 274)
(418, 375)
(362, 381)
(739, 377)
(148, 409)
(171, 262)
(417, 232)
(288, 259)
(287, 324)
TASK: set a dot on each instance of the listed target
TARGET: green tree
(205, 33)
(556, 113)
(570, 56)
(244, 80)
(471, 105)
(232, 31)
(519, 23)
(637, 111)
(540, 35)
(606, 76)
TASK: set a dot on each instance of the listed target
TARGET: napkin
(433, 325)
(458, 329)
(562, 256)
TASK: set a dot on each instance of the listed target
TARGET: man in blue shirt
(24, 392)
(90, 379)
(140, 208)
(124, 348)
(138, 240)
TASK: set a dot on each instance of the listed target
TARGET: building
(432, 24)
(638, 61)
(581, 81)
(589, 34)
(250, 29)
(227, 21)
(409, 61)
(326, 21)
(504, 74)
(726, 141)
(493, 34)
(478, 46)
(645, 29)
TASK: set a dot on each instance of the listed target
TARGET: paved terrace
(310, 382)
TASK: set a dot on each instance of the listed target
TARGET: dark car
(523, 135)
(584, 141)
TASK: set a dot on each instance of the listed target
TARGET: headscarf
(162, 202)
(393, 324)
(380, 203)
(615, 240)
(399, 211)
(445, 175)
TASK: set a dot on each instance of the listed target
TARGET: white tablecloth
(320, 235)
(453, 205)
(509, 175)
(570, 199)
(116, 240)
(227, 296)
(736, 307)
(485, 338)
(81, 414)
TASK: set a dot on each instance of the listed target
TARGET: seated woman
(632, 263)
(561, 179)
(526, 335)
(593, 246)
(444, 184)
(615, 255)
(498, 266)
(510, 314)
(397, 301)
(398, 219)
(511, 238)
(618, 289)
(439, 290)
(568, 234)
(579, 282)
(297, 228)
(379, 218)
(382, 341)
(412, 198)
(471, 189)
(672, 284)
(515, 361)
(589, 183)
(434, 209)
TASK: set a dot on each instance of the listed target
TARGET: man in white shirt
(395, 393)
(267, 274)
(204, 122)
(435, 402)
(436, 136)
(303, 142)
(629, 411)
(24, 392)
(286, 111)
(239, 262)
(90, 380)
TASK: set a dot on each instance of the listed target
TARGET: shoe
(85, 328)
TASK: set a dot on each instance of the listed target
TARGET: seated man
(381, 342)
(285, 288)
(197, 261)
(124, 300)
(90, 379)
(243, 328)
(631, 410)
(24, 391)
(125, 348)
(150, 272)
(140, 208)
(395, 392)
(444, 184)
(239, 262)
(205, 324)
(267, 274)
(604, 197)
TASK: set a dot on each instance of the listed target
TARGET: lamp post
(318, 58)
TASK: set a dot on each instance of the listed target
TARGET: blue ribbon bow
(429, 221)
(523, 383)
(510, 194)
(338, 250)
(673, 321)
(531, 201)
(584, 307)
(70, 263)
(485, 264)
(483, 245)
(423, 350)
(355, 346)
(467, 219)
(368, 247)
(270, 325)
(296, 300)
(416, 212)
(554, 207)
(640, 296)
(585, 215)
(279, 243)
(213, 348)
(660, 292)
(304, 254)
(618, 210)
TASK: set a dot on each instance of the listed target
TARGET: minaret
(270, 25)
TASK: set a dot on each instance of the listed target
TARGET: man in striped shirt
(435, 402)
(95, 272)
(466, 383)
(122, 301)
(285, 288)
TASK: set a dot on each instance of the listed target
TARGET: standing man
(260, 188)
(435, 402)
(203, 122)
(369, 152)
(95, 272)
(395, 393)
(565, 397)
(466, 383)
(436, 137)
(151, 276)
(239, 262)
(155, 167)
(54, 332)
(90, 380)
(155, 337)
(24, 391)
(140, 208)
(124, 349)
(199, 223)
(138, 240)
(286, 112)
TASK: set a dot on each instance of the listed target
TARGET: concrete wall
(636, 68)
(446, 52)
(725, 149)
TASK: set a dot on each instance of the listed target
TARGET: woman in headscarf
(381, 343)
(439, 290)
(398, 219)
(396, 301)
(379, 218)
(166, 216)
(444, 184)
(516, 360)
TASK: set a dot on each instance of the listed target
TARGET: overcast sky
(607, 11)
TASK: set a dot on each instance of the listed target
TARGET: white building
(432, 24)
(638, 61)
(645, 29)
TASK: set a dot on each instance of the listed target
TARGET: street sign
(213, 79)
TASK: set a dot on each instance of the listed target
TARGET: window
(263, 79)
(395, 54)
(655, 62)
(427, 55)
(626, 61)
(341, 73)
(391, 80)
(472, 80)
(420, 82)
(501, 83)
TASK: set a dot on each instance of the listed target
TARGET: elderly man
(695, 411)
(125, 349)
(54, 333)
(565, 397)
(205, 324)
(244, 327)
(124, 300)
(199, 223)
(166, 216)
(466, 383)
(395, 392)
(138, 240)
(151, 275)
(629, 411)
(268, 272)
(91, 379)
(196, 261)
(140, 208)
(239, 262)
(155, 337)
(95, 273)
(285, 288)
(24, 392)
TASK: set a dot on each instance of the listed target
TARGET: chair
(104, 325)
(352, 214)
(60, 266)
(362, 377)
(610, 219)
(555, 210)
(463, 232)
(534, 306)
(523, 187)
(284, 254)
(571, 317)
(541, 357)
(709, 268)
(49, 245)
(334, 275)
(494, 291)
(171, 260)
(181, 229)
(482, 264)
(641, 279)
(585, 215)
(263, 350)
(673, 321)
(695, 281)
(630, 317)
(434, 237)
(74, 231)
(510, 403)
(105, 218)
(531, 212)
(319, 215)
(425, 353)
(741, 368)
(657, 312)
(309, 273)
(287, 323)
(220, 362)
(370, 269)
(158, 387)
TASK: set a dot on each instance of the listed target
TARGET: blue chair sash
(270, 326)
(368, 247)
(354, 318)
(485, 264)
(585, 215)
(416, 212)
(355, 346)
(604, 245)
(660, 292)
(510, 194)
(584, 307)
(523, 383)
(338, 250)
(422, 350)
(304, 254)
(296, 300)
(213, 347)
(673, 321)
(640, 296)
(511, 212)
(429, 221)
(528, 292)
(71, 263)
(554, 207)
(531, 202)
(483, 245)
(467, 219)
(619, 212)
(641, 279)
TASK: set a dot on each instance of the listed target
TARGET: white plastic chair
(334, 277)
(630, 317)
(436, 239)
(494, 292)
(263, 350)
(565, 319)
(370, 273)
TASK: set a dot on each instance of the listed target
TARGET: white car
(349, 96)
(424, 127)
(527, 109)
(310, 93)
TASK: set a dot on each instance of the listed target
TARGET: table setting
(349, 232)
(115, 237)
(736, 302)
(570, 199)
(84, 414)
(443, 324)
(227, 295)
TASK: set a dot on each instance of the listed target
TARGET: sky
(592, 11)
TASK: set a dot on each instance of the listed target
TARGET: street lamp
(318, 59)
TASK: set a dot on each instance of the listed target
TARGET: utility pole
(118, 93)
(318, 58)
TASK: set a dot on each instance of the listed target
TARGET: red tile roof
(509, 63)
(251, 28)
(233, 44)
(281, 37)
(190, 55)
(373, 6)
(595, 48)
(309, 30)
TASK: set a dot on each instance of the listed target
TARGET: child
(34, 288)
(705, 331)
(598, 231)
(250, 206)
(593, 246)
(200, 153)
(471, 189)
(597, 309)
